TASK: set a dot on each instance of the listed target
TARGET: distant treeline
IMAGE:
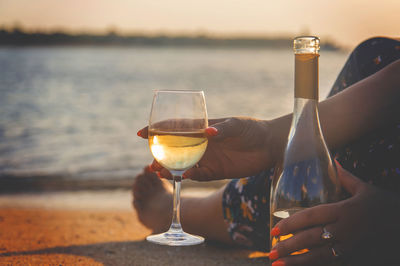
(20, 38)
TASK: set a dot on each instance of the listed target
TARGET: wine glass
(177, 141)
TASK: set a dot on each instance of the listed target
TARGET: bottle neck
(305, 111)
(305, 136)
(305, 121)
(306, 76)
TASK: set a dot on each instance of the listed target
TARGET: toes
(153, 179)
(140, 187)
(145, 184)
(144, 180)
(138, 192)
(138, 204)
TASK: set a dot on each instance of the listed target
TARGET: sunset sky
(347, 22)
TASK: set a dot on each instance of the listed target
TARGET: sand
(51, 234)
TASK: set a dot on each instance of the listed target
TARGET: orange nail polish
(211, 131)
(273, 255)
(139, 133)
(278, 263)
(151, 169)
(159, 175)
(337, 163)
(275, 231)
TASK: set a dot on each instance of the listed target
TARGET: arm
(367, 105)
(242, 146)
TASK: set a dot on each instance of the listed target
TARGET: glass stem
(176, 221)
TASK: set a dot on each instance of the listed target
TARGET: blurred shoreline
(19, 37)
(16, 184)
(39, 184)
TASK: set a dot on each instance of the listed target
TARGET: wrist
(276, 138)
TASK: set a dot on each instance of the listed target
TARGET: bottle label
(306, 76)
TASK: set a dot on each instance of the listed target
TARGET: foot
(152, 199)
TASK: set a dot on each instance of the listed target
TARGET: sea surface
(75, 111)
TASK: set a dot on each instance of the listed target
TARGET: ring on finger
(326, 235)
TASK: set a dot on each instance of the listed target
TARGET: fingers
(199, 174)
(213, 131)
(215, 121)
(228, 128)
(143, 133)
(320, 255)
(351, 183)
(157, 168)
(318, 215)
(309, 238)
(164, 173)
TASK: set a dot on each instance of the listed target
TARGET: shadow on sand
(145, 253)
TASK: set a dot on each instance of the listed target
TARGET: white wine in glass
(177, 150)
(177, 141)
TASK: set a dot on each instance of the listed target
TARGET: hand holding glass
(177, 141)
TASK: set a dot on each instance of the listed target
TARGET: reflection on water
(76, 110)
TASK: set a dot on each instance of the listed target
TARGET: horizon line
(113, 30)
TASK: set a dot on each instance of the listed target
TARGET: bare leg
(152, 199)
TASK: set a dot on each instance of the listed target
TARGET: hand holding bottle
(237, 147)
(357, 226)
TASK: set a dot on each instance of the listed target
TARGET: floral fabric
(375, 158)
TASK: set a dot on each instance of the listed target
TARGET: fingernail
(337, 162)
(147, 169)
(278, 263)
(151, 169)
(275, 231)
(211, 131)
(273, 255)
(139, 133)
(159, 175)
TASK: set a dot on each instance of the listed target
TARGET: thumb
(230, 127)
(351, 183)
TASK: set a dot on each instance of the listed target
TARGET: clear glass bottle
(308, 176)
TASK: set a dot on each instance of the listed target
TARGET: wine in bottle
(308, 175)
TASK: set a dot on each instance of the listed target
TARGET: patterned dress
(375, 158)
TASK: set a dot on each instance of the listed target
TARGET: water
(75, 111)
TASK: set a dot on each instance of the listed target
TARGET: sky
(347, 22)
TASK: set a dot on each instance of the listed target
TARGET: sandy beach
(94, 228)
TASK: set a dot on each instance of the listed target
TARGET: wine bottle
(308, 175)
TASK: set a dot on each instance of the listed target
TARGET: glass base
(175, 238)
